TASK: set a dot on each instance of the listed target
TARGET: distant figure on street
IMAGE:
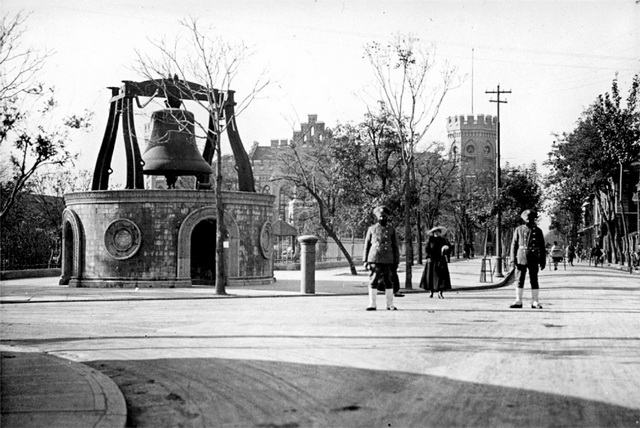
(556, 254)
(571, 253)
(435, 276)
(381, 257)
(596, 254)
(580, 253)
(467, 251)
(527, 253)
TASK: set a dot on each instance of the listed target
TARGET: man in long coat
(381, 257)
(527, 253)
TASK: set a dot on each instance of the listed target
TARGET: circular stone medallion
(122, 239)
(266, 240)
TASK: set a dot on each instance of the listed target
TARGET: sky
(555, 57)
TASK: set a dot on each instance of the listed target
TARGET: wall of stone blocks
(155, 252)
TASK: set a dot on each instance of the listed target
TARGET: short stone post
(308, 263)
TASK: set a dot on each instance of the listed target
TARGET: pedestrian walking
(571, 253)
(527, 253)
(467, 251)
(435, 276)
(556, 254)
(596, 254)
(381, 257)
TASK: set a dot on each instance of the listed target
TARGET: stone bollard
(308, 263)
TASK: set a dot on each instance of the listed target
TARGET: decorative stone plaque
(266, 240)
(122, 239)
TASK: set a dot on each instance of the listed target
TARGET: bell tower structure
(472, 140)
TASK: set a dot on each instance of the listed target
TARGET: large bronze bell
(171, 149)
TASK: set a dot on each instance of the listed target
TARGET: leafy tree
(35, 145)
(589, 160)
(374, 170)
(566, 205)
(619, 130)
(520, 190)
(435, 179)
(617, 125)
(32, 233)
(471, 208)
(383, 159)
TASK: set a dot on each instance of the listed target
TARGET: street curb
(103, 404)
(115, 414)
(261, 294)
(508, 279)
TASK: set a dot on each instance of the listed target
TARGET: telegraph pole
(498, 239)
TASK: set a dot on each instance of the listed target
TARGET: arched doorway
(71, 265)
(67, 251)
(203, 253)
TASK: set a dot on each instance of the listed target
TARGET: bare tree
(402, 69)
(50, 186)
(19, 66)
(207, 59)
(28, 118)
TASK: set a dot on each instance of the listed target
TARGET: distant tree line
(588, 163)
(341, 178)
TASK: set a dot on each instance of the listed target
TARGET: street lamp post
(498, 239)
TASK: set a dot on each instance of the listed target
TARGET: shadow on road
(225, 392)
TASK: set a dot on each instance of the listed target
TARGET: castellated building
(472, 139)
(265, 161)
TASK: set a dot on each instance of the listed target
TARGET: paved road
(466, 360)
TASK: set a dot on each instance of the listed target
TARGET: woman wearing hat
(435, 276)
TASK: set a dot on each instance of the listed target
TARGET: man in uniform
(381, 257)
(528, 252)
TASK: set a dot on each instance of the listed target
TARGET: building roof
(282, 228)
(262, 153)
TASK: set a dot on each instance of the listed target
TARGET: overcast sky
(556, 57)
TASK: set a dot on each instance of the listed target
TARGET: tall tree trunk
(419, 237)
(221, 275)
(332, 235)
(408, 241)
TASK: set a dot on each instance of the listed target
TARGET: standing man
(381, 257)
(571, 253)
(528, 252)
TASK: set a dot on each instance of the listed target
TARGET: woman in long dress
(435, 276)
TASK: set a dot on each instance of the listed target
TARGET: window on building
(283, 201)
